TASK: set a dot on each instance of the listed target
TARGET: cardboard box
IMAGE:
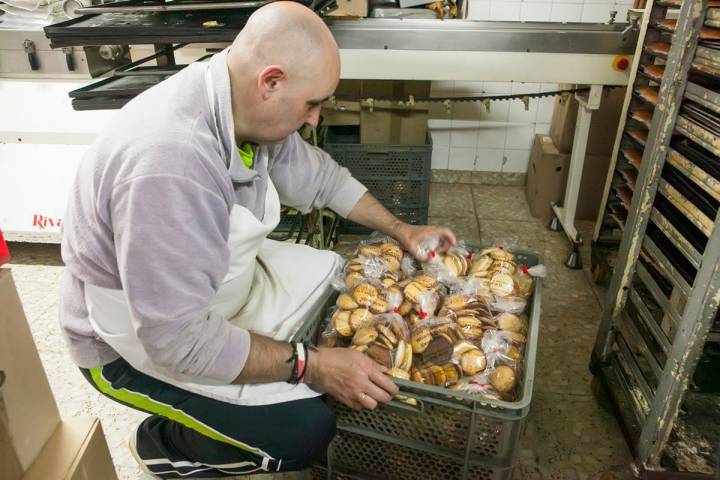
(603, 125)
(28, 413)
(350, 8)
(77, 450)
(388, 123)
(343, 112)
(592, 185)
(394, 125)
(9, 464)
(547, 177)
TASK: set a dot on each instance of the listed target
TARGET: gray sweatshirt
(149, 213)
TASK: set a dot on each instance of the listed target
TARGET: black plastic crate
(397, 175)
(352, 455)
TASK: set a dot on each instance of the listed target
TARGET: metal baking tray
(118, 86)
(148, 28)
(633, 156)
(134, 6)
(100, 103)
(700, 199)
(675, 260)
(705, 94)
(680, 222)
(698, 134)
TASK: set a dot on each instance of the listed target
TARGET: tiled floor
(569, 435)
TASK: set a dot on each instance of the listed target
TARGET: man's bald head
(288, 34)
(282, 65)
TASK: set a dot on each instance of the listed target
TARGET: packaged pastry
(378, 258)
(509, 304)
(477, 386)
(496, 346)
(504, 379)
(441, 375)
(469, 357)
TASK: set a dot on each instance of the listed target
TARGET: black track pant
(189, 435)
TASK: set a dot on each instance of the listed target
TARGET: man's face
(298, 103)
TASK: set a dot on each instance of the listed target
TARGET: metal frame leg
(574, 261)
(554, 224)
(565, 215)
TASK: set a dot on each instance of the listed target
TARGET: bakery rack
(655, 351)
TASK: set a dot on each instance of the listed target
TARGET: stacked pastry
(456, 321)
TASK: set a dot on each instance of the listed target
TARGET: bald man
(169, 303)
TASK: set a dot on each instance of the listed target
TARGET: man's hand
(369, 212)
(350, 377)
(412, 236)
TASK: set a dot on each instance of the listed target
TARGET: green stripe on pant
(187, 429)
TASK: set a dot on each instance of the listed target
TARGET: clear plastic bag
(469, 357)
(379, 258)
(511, 322)
(384, 337)
(421, 292)
(429, 249)
(503, 285)
(504, 379)
(408, 265)
(440, 375)
(478, 386)
(525, 278)
(496, 345)
(510, 304)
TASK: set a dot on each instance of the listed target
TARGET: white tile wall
(542, 128)
(479, 10)
(516, 161)
(462, 158)
(440, 131)
(596, 12)
(440, 157)
(471, 138)
(489, 159)
(519, 137)
(535, 12)
(505, 11)
(464, 133)
(491, 135)
(566, 12)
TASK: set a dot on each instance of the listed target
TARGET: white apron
(270, 288)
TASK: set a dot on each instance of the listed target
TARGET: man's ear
(269, 80)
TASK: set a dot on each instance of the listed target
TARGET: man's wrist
(399, 231)
(312, 367)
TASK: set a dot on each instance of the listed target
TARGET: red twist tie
(501, 247)
(423, 315)
(524, 269)
(469, 255)
(396, 310)
(432, 253)
(475, 382)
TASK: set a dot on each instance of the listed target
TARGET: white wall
(470, 138)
